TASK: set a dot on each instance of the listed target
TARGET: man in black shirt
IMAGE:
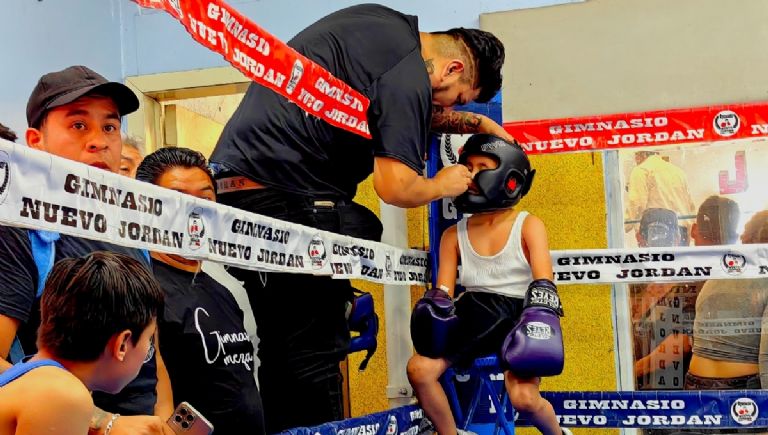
(275, 159)
(208, 354)
(75, 113)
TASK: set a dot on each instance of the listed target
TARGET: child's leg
(526, 399)
(424, 374)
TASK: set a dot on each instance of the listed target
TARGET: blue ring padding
(403, 420)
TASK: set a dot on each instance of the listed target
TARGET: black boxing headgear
(498, 188)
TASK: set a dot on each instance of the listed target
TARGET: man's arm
(456, 122)
(637, 197)
(398, 184)
(164, 406)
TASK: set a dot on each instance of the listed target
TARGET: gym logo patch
(388, 265)
(195, 229)
(734, 263)
(744, 411)
(486, 147)
(538, 331)
(726, 123)
(296, 72)
(176, 7)
(392, 425)
(316, 252)
(5, 175)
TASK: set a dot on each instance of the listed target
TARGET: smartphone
(186, 420)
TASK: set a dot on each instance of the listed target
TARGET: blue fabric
(44, 253)
(21, 369)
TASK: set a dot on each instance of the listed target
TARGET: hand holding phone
(186, 420)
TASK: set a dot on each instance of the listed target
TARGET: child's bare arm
(537, 248)
(449, 260)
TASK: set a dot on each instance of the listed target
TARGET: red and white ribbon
(269, 62)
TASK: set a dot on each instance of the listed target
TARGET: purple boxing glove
(534, 347)
(433, 322)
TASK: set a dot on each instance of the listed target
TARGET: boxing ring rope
(40, 191)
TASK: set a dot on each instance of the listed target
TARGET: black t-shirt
(18, 289)
(376, 51)
(208, 354)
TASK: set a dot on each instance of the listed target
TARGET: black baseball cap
(63, 87)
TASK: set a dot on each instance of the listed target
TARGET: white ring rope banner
(42, 191)
(269, 61)
(679, 264)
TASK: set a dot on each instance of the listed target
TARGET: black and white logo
(744, 411)
(296, 72)
(316, 252)
(492, 146)
(726, 123)
(176, 7)
(5, 175)
(734, 263)
(388, 265)
(392, 425)
(538, 331)
(195, 229)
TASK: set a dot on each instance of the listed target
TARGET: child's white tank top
(506, 272)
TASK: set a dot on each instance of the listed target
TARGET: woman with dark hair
(96, 331)
(210, 355)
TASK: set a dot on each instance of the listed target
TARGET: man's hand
(135, 425)
(453, 180)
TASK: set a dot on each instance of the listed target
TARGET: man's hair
(7, 134)
(133, 142)
(88, 300)
(156, 164)
(717, 220)
(756, 230)
(487, 55)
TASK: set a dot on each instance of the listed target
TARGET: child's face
(476, 163)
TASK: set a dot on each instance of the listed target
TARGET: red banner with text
(642, 129)
(269, 62)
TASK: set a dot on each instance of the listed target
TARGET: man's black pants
(300, 319)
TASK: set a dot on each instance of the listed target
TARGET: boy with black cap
(75, 113)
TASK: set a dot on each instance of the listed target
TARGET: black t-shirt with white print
(376, 51)
(207, 352)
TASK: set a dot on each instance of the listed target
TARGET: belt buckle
(324, 204)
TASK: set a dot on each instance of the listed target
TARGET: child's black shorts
(485, 320)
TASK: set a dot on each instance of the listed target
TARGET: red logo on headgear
(512, 184)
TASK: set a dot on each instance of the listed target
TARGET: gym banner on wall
(642, 129)
(269, 61)
(41, 191)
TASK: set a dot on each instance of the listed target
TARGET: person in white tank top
(502, 251)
